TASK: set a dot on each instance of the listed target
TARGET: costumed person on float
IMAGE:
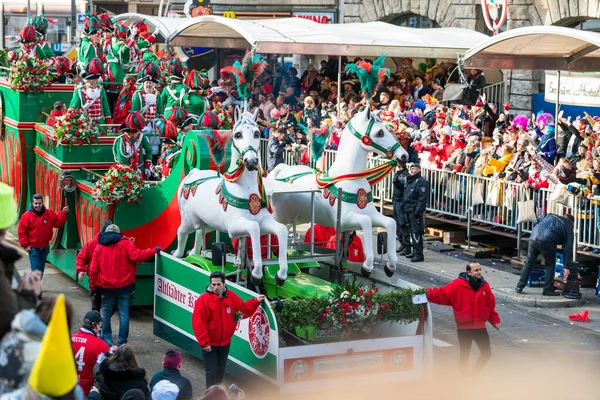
(90, 41)
(125, 99)
(132, 147)
(91, 98)
(143, 41)
(194, 101)
(144, 100)
(40, 23)
(174, 93)
(28, 39)
(107, 29)
(120, 64)
(170, 150)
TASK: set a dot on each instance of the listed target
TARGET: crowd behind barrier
(470, 199)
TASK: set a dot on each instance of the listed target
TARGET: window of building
(413, 21)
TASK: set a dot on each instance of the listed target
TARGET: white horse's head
(246, 138)
(374, 136)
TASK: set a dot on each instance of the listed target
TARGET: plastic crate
(537, 278)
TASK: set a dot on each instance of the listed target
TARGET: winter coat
(275, 153)
(19, 349)
(36, 230)
(174, 376)
(86, 349)
(399, 185)
(213, 318)
(112, 382)
(553, 230)
(115, 261)
(456, 161)
(496, 165)
(472, 308)
(84, 257)
(416, 194)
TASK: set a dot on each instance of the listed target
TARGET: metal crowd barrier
(467, 197)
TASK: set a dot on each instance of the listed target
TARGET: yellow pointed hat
(8, 207)
(54, 373)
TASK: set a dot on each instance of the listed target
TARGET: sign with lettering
(575, 89)
(319, 17)
(81, 19)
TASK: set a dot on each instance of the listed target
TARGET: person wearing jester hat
(194, 102)
(91, 97)
(145, 100)
(170, 149)
(28, 39)
(40, 23)
(142, 40)
(90, 41)
(174, 93)
(107, 29)
(133, 148)
(124, 101)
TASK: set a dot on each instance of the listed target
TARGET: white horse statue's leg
(198, 242)
(390, 226)
(182, 234)
(364, 220)
(271, 226)
(252, 229)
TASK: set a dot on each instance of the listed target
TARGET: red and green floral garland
(29, 74)
(75, 127)
(225, 121)
(120, 183)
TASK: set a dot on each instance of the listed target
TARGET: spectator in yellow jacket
(497, 165)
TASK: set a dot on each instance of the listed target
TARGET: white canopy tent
(540, 48)
(302, 36)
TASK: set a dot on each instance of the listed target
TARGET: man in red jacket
(36, 229)
(112, 276)
(87, 346)
(214, 322)
(473, 304)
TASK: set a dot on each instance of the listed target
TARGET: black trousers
(465, 338)
(548, 251)
(215, 362)
(402, 225)
(97, 303)
(417, 229)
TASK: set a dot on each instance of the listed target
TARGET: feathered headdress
(217, 143)
(369, 75)
(246, 72)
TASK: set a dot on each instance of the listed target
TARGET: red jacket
(213, 317)
(356, 253)
(264, 246)
(84, 257)
(472, 309)
(86, 348)
(36, 231)
(114, 262)
(322, 235)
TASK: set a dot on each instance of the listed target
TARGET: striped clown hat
(149, 72)
(166, 129)
(196, 80)
(94, 69)
(178, 115)
(133, 123)
(28, 34)
(63, 65)
(208, 120)
(175, 68)
(107, 22)
(39, 22)
(92, 25)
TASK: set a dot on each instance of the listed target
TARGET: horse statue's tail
(276, 171)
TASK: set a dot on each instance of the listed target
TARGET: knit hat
(28, 35)
(94, 69)
(172, 359)
(8, 207)
(196, 80)
(134, 394)
(208, 120)
(107, 22)
(174, 67)
(92, 25)
(63, 65)
(133, 123)
(113, 228)
(165, 390)
(166, 129)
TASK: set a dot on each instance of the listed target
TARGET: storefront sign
(319, 17)
(575, 89)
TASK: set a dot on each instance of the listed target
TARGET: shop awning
(540, 48)
(167, 25)
(302, 36)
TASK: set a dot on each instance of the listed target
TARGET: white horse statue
(235, 203)
(364, 134)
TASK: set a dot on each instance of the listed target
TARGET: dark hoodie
(108, 238)
(475, 284)
(113, 382)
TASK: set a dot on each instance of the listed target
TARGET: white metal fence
(467, 197)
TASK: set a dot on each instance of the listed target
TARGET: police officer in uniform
(402, 224)
(416, 198)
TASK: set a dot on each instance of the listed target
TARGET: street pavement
(534, 349)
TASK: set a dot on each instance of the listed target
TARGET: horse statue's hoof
(279, 281)
(364, 272)
(254, 281)
(389, 273)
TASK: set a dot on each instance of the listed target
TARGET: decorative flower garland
(225, 121)
(75, 127)
(121, 182)
(29, 74)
